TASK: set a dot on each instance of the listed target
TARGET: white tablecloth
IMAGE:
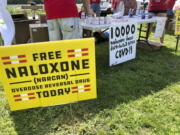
(160, 24)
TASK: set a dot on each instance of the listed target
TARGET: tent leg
(1, 40)
(177, 43)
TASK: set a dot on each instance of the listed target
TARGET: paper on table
(7, 29)
(159, 28)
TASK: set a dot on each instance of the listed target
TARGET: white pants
(63, 29)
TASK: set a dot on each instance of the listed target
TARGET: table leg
(140, 29)
(144, 38)
(87, 33)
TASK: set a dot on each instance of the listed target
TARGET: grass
(16, 9)
(139, 97)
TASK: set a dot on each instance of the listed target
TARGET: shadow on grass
(150, 72)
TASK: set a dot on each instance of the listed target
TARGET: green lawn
(139, 97)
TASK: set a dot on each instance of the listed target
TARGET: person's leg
(70, 28)
(150, 26)
(93, 7)
(98, 10)
(53, 30)
(149, 29)
(162, 15)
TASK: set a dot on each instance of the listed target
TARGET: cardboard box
(38, 33)
(171, 26)
(22, 34)
(21, 22)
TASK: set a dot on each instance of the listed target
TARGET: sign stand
(177, 43)
(177, 28)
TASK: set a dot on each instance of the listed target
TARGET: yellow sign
(177, 28)
(46, 74)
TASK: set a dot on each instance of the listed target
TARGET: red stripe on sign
(71, 56)
(74, 87)
(75, 92)
(29, 94)
(18, 99)
(21, 56)
(87, 89)
(17, 95)
(5, 58)
(85, 49)
(86, 85)
(70, 51)
(32, 97)
(6, 63)
(84, 54)
(22, 61)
